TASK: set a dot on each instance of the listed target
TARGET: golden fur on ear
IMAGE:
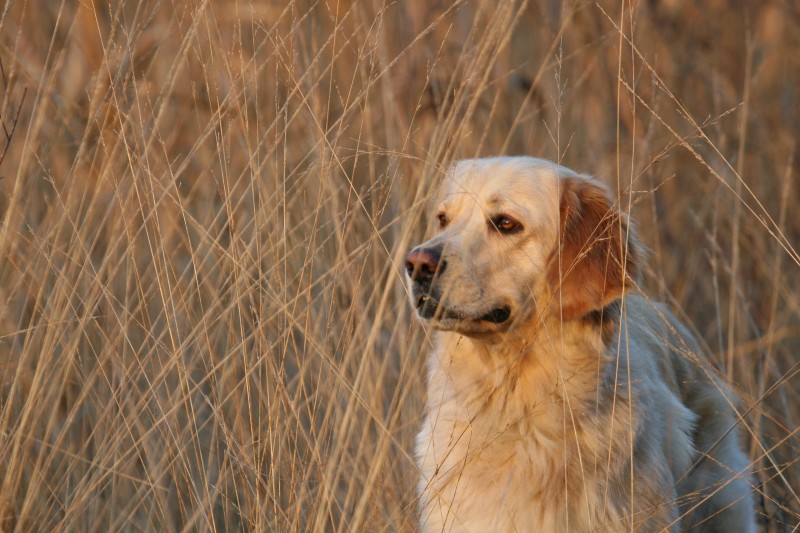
(595, 256)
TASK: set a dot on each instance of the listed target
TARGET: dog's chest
(500, 471)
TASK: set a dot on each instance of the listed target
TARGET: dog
(558, 399)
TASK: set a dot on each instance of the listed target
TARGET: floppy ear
(595, 257)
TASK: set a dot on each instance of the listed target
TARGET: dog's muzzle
(424, 266)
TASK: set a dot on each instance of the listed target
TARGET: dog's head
(514, 238)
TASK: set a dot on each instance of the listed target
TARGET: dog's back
(714, 493)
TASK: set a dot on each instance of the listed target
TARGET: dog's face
(513, 237)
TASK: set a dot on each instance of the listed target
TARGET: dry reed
(205, 206)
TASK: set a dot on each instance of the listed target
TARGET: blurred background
(204, 208)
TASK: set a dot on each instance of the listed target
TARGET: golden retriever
(558, 400)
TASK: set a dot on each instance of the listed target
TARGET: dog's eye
(442, 219)
(505, 224)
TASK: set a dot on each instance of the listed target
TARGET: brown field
(204, 208)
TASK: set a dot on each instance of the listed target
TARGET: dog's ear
(596, 256)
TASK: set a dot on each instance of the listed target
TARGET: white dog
(558, 401)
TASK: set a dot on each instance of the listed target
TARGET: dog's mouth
(498, 315)
(429, 307)
(426, 306)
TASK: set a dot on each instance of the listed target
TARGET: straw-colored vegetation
(205, 206)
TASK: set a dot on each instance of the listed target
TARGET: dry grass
(205, 204)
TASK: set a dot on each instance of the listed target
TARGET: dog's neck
(535, 369)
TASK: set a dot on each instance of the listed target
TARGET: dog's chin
(471, 323)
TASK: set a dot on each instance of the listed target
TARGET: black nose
(422, 263)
